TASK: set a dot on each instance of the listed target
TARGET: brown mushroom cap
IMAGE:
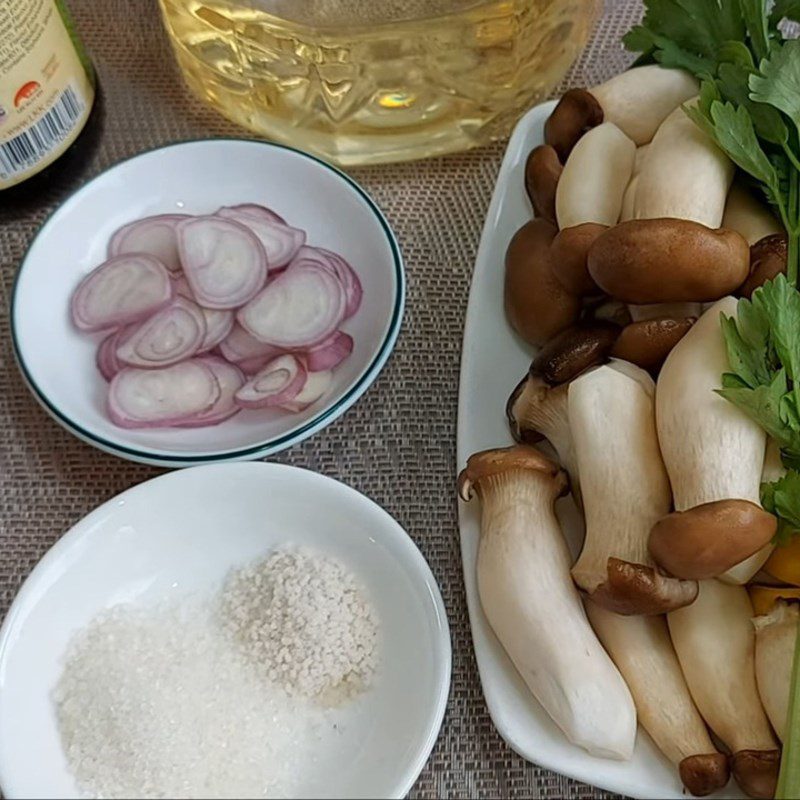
(668, 261)
(704, 773)
(542, 171)
(649, 342)
(518, 457)
(709, 539)
(640, 589)
(756, 771)
(519, 433)
(537, 305)
(574, 350)
(576, 113)
(767, 261)
(569, 252)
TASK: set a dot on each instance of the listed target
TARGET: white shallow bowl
(493, 361)
(58, 362)
(181, 533)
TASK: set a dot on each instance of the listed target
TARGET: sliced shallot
(280, 382)
(173, 334)
(123, 289)
(253, 365)
(239, 345)
(219, 322)
(281, 241)
(230, 380)
(317, 383)
(298, 309)
(350, 280)
(152, 235)
(153, 398)
(106, 356)
(254, 210)
(224, 261)
(330, 353)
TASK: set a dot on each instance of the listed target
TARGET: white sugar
(220, 699)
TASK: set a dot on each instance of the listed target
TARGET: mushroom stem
(685, 175)
(642, 650)
(594, 179)
(713, 453)
(748, 216)
(715, 643)
(625, 491)
(533, 607)
(660, 310)
(776, 636)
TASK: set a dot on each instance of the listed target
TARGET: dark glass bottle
(49, 112)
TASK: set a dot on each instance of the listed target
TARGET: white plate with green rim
(58, 362)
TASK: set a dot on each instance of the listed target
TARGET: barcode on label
(31, 146)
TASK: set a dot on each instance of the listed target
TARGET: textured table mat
(397, 445)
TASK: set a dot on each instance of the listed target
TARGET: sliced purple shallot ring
(173, 334)
(253, 365)
(219, 322)
(224, 261)
(298, 309)
(350, 281)
(106, 356)
(281, 381)
(239, 345)
(230, 380)
(254, 210)
(317, 384)
(123, 289)
(281, 241)
(156, 398)
(152, 235)
(330, 353)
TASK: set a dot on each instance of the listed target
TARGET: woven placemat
(397, 445)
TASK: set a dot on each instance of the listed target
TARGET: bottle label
(45, 92)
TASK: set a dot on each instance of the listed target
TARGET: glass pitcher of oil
(369, 81)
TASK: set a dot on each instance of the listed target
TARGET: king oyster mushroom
(641, 648)
(776, 636)
(715, 642)
(748, 216)
(625, 491)
(714, 455)
(595, 177)
(532, 605)
(685, 176)
(637, 101)
(537, 407)
(536, 303)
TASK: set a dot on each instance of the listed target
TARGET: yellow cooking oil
(369, 81)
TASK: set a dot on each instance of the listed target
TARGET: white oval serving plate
(180, 534)
(58, 362)
(493, 361)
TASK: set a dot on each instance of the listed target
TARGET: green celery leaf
(754, 14)
(785, 9)
(687, 33)
(735, 134)
(732, 82)
(783, 497)
(790, 460)
(790, 414)
(778, 81)
(747, 359)
(732, 381)
(779, 303)
(763, 405)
